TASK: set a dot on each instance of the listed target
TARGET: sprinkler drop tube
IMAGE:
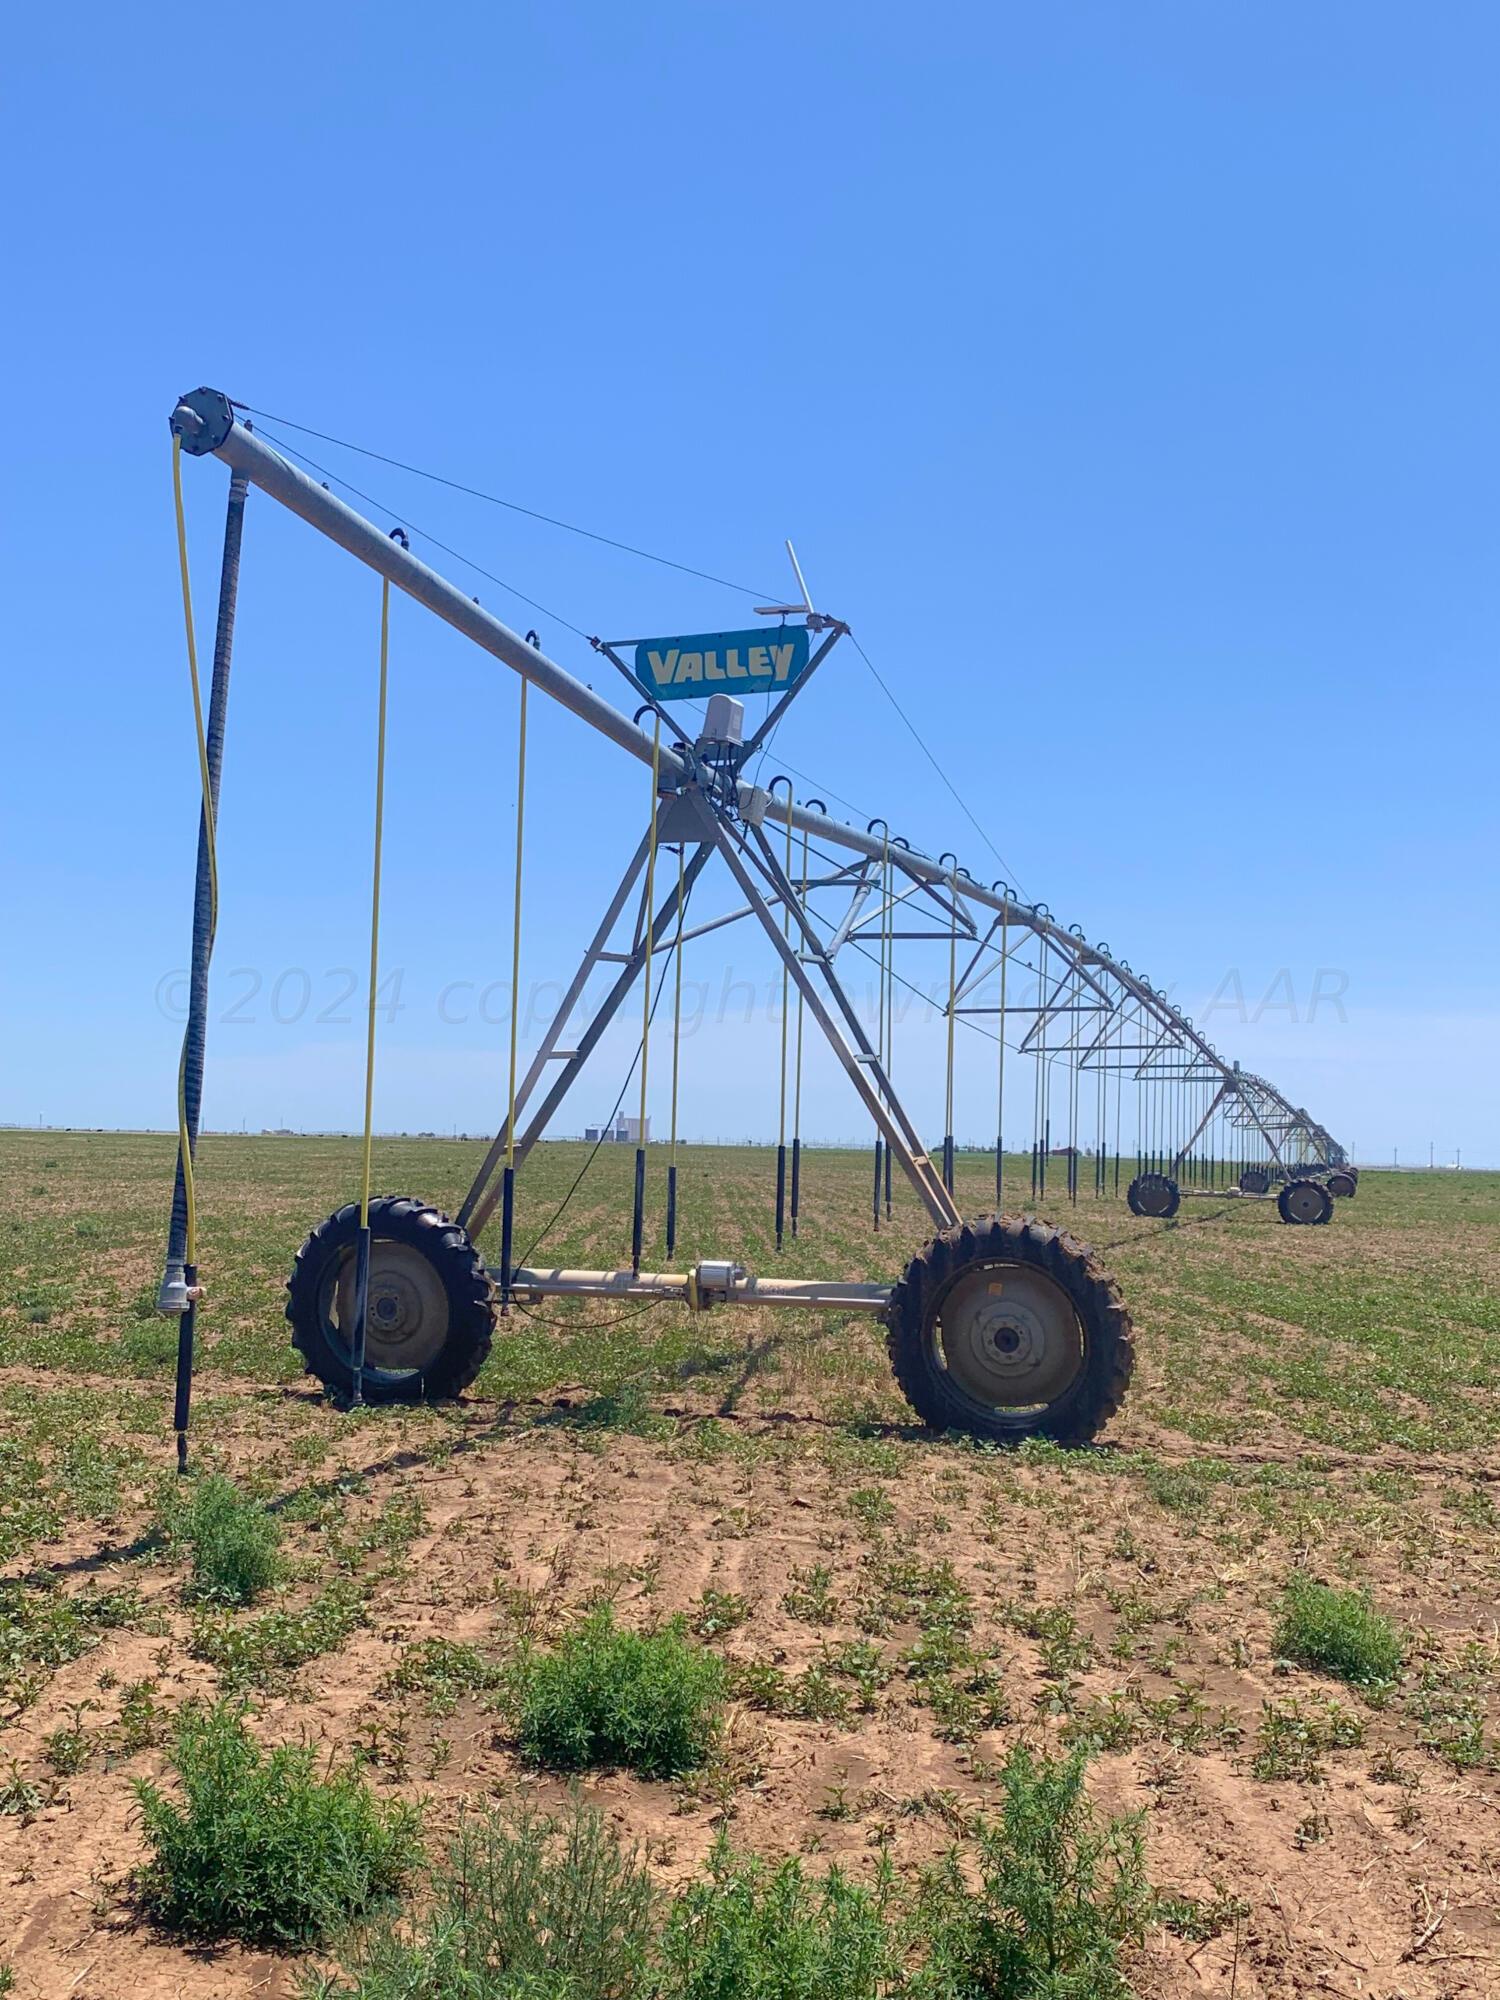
(672, 1211)
(186, 1324)
(780, 1193)
(796, 1184)
(361, 1304)
(637, 1220)
(507, 1233)
(878, 1150)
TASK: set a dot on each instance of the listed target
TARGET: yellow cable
(1000, 1107)
(1041, 1047)
(515, 948)
(385, 650)
(677, 992)
(786, 977)
(952, 983)
(650, 919)
(184, 1146)
(886, 981)
(797, 1087)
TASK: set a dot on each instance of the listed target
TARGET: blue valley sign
(706, 663)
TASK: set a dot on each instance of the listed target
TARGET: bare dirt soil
(900, 1609)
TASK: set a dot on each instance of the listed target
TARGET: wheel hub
(1009, 1336)
(1155, 1196)
(1305, 1200)
(406, 1315)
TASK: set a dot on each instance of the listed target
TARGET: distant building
(624, 1132)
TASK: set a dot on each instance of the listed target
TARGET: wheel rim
(1155, 1197)
(1254, 1183)
(406, 1321)
(1304, 1200)
(1009, 1337)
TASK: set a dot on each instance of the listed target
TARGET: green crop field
(889, 1613)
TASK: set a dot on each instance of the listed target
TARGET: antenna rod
(801, 579)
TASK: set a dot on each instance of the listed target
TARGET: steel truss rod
(1146, 1074)
(1184, 1072)
(891, 902)
(483, 1208)
(950, 906)
(1045, 1013)
(206, 423)
(1265, 1131)
(974, 973)
(1017, 1007)
(768, 728)
(547, 1047)
(1121, 1019)
(1199, 1129)
(868, 1057)
(736, 916)
(1144, 1069)
(862, 888)
(860, 1062)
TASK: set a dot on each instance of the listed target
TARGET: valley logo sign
(738, 662)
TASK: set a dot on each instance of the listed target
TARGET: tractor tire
(1255, 1180)
(431, 1310)
(1342, 1184)
(1156, 1195)
(1305, 1202)
(1008, 1328)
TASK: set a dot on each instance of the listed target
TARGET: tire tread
(471, 1299)
(1109, 1351)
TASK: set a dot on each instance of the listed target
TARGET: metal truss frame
(1088, 1005)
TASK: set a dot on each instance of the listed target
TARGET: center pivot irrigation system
(1000, 1326)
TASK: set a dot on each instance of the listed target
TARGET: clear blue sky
(1125, 375)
